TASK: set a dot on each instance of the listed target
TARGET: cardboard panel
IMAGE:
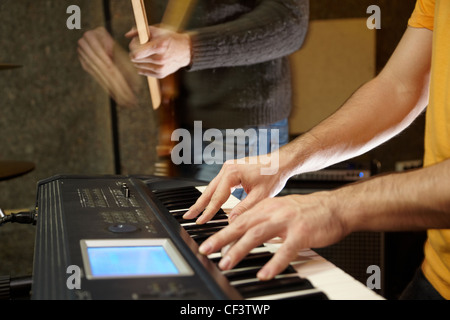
(338, 57)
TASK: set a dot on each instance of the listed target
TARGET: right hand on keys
(301, 221)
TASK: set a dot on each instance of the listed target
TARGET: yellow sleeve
(423, 15)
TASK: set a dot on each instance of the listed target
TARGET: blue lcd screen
(130, 261)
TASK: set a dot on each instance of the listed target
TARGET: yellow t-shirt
(435, 15)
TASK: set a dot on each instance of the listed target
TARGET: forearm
(272, 30)
(375, 113)
(415, 200)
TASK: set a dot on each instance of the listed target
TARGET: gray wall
(52, 112)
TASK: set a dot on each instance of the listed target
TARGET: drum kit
(12, 169)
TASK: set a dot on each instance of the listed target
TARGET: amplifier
(344, 175)
(347, 171)
(331, 177)
(106, 238)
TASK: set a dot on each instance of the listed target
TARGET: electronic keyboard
(122, 237)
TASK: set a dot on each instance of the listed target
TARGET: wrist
(287, 162)
(345, 208)
(295, 157)
(187, 45)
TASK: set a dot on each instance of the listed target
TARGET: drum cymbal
(7, 66)
(12, 169)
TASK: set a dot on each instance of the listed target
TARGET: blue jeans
(250, 141)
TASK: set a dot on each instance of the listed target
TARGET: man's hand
(301, 221)
(252, 174)
(164, 54)
(109, 65)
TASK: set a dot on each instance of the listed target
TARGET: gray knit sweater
(240, 72)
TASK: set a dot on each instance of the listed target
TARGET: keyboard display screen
(130, 261)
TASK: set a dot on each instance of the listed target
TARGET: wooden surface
(144, 37)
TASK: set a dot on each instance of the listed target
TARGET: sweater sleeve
(274, 29)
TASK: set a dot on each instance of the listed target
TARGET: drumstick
(144, 37)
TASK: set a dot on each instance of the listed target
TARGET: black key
(179, 216)
(179, 199)
(178, 205)
(255, 260)
(246, 274)
(311, 296)
(172, 194)
(198, 228)
(250, 273)
(201, 232)
(274, 286)
(202, 236)
(251, 260)
(176, 191)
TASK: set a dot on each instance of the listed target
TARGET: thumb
(132, 33)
